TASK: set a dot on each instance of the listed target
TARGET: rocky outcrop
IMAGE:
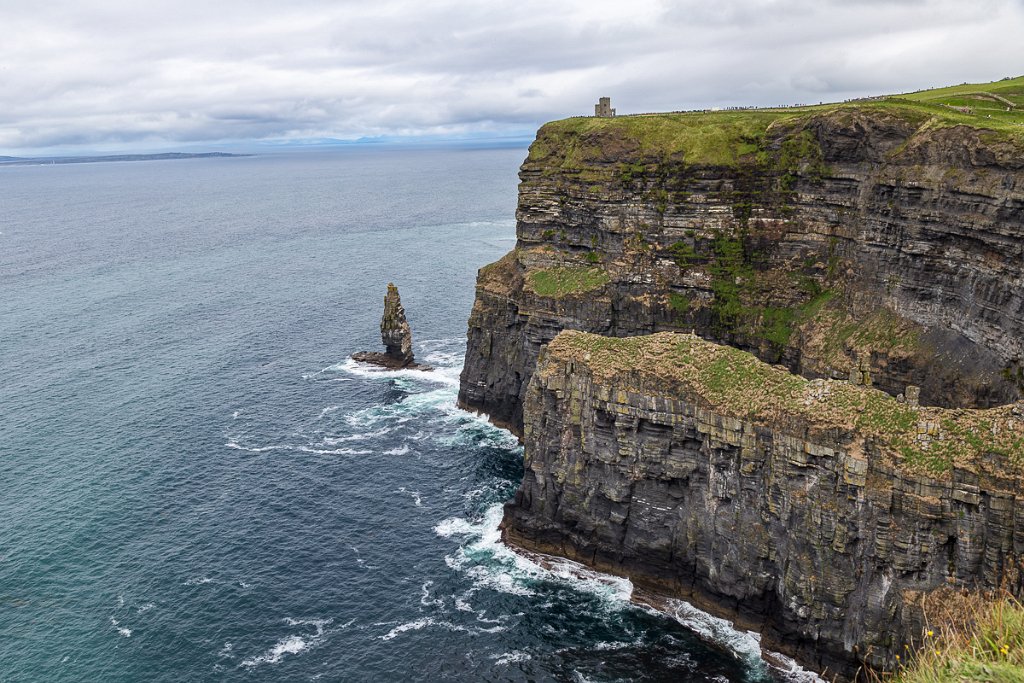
(810, 239)
(815, 512)
(396, 335)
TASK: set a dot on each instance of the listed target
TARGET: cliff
(813, 511)
(883, 233)
(878, 241)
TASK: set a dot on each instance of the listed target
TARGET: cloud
(116, 74)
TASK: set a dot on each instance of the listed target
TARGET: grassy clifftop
(723, 138)
(736, 383)
(984, 98)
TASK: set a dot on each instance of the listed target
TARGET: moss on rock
(566, 281)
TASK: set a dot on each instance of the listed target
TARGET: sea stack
(396, 336)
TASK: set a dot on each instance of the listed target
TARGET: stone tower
(603, 108)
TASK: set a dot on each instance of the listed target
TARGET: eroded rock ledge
(813, 511)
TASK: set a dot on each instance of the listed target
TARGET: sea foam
(291, 644)
(126, 632)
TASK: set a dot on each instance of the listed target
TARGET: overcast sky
(149, 74)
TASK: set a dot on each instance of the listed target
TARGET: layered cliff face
(883, 234)
(813, 511)
(394, 328)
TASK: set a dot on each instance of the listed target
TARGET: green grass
(566, 280)
(714, 138)
(679, 303)
(684, 254)
(726, 138)
(1008, 87)
(988, 102)
(975, 641)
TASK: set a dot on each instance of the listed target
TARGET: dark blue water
(197, 484)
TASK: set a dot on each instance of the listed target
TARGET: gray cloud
(113, 74)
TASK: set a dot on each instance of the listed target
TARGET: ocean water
(197, 484)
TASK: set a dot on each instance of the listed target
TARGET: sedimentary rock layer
(813, 511)
(807, 238)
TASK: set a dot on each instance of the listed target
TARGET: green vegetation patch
(696, 138)
(565, 281)
(684, 254)
(1004, 87)
(680, 303)
(738, 384)
(798, 155)
(970, 639)
(738, 286)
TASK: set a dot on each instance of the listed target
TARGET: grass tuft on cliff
(975, 641)
(566, 281)
(736, 383)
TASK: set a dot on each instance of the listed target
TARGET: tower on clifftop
(603, 108)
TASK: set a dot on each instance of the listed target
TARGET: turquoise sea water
(197, 484)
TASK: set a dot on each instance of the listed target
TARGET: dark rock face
(396, 336)
(884, 239)
(394, 328)
(810, 534)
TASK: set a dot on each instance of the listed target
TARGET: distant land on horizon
(254, 148)
(35, 161)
